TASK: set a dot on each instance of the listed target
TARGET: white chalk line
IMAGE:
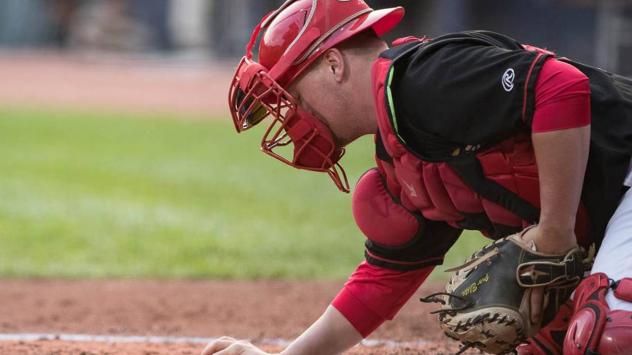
(371, 343)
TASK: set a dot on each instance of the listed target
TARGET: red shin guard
(594, 328)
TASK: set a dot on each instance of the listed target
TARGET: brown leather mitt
(486, 303)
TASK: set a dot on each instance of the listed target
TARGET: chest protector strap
(470, 170)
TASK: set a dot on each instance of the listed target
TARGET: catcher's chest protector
(439, 193)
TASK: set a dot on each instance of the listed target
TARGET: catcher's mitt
(487, 300)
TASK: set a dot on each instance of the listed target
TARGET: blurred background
(594, 31)
(118, 157)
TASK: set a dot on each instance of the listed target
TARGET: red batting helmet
(293, 37)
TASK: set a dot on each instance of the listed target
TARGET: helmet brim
(380, 21)
(383, 21)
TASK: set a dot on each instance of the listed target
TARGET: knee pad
(378, 215)
(397, 238)
(594, 328)
(617, 334)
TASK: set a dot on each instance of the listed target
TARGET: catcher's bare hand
(231, 346)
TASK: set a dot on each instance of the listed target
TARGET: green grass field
(107, 195)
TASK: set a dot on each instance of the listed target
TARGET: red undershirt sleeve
(373, 295)
(562, 98)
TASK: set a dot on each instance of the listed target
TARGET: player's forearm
(330, 334)
(561, 158)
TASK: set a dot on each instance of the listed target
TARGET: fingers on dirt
(218, 345)
(237, 348)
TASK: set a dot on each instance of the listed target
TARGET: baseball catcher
(473, 131)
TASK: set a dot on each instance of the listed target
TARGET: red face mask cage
(262, 97)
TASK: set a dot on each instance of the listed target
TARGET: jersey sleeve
(374, 294)
(562, 98)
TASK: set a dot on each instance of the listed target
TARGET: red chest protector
(495, 190)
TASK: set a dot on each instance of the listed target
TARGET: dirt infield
(79, 348)
(267, 312)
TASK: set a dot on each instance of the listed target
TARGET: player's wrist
(551, 238)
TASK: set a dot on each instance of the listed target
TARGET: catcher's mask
(293, 37)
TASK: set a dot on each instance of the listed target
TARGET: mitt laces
(484, 254)
(467, 346)
(433, 298)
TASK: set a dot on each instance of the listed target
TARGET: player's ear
(334, 60)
